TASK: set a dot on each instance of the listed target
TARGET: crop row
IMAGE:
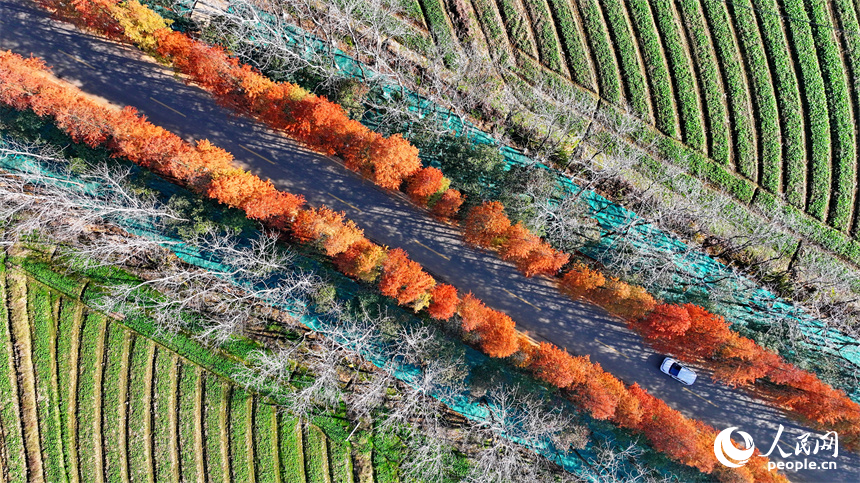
(139, 409)
(492, 26)
(544, 31)
(111, 402)
(686, 87)
(573, 43)
(743, 127)
(600, 45)
(516, 24)
(43, 337)
(434, 12)
(88, 406)
(187, 398)
(817, 121)
(13, 438)
(847, 15)
(789, 105)
(716, 114)
(69, 325)
(841, 121)
(763, 97)
(665, 117)
(628, 58)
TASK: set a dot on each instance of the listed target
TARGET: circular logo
(723, 448)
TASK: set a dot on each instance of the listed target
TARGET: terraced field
(767, 89)
(85, 398)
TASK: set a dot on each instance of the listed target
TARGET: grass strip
(161, 419)
(68, 342)
(629, 60)
(517, 26)
(572, 42)
(847, 16)
(187, 379)
(763, 97)
(10, 404)
(316, 455)
(729, 56)
(40, 301)
(543, 27)
(212, 397)
(716, 122)
(20, 332)
(815, 101)
(111, 402)
(291, 448)
(139, 409)
(599, 43)
(842, 123)
(665, 114)
(266, 443)
(688, 93)
(242, 465)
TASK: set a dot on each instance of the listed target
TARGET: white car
(678, 372)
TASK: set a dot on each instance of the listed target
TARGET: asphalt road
(123, 76)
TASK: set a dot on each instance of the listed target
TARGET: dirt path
(20, 334)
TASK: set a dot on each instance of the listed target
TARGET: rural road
(123, 76)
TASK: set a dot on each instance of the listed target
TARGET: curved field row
(687, 89)
(815, 101)
(845, 11)
(789, 104)
(629, 58)
(543, 31)
(717, 127)
(570, 31)
(737, 94)
(600, 46)
(519, 32)
(126, 391)
(768, 174)
(651, 47)
(842, 121)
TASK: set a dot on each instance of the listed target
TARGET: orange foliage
(403, 279)
(362, 260)
(443, 302)
(637, 304)
(392, 160)
(665, 322)
(449, 204)
(486, 224)
(742, 361)
(557, 367)
(329, 230)
(667, 430)
(494, 329)
(580, 280)
(423, 184)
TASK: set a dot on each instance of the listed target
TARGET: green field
(767, 89)
(87, 398)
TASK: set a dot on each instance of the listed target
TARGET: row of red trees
(25, 84)
(687, 331)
